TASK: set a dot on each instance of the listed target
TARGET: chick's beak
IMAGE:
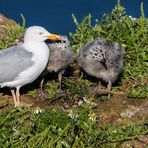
(54, 37)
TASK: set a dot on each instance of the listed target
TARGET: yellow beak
(54, 37)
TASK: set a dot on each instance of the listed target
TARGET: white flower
(89, 101)
(38, 110)
(132, 18)
(96, 20)
(72, 115)
(80, 102)
(84, 99)
(92, 116)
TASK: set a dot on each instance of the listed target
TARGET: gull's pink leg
(14, 97)
(42, 94)
(18, 96)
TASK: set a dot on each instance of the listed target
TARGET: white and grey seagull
(102, 59)
(22, 64)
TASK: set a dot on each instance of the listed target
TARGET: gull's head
(39, 34)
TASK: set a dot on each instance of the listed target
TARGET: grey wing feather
(13, 61)
(67, 56)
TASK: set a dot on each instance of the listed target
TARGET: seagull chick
(22, 64)
(59, 59)
(101, 59)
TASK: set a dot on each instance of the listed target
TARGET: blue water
(55, 15)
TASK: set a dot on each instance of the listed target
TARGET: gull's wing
(13, 61)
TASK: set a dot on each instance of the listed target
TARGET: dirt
(140, 142)
(122, 110)
(117, 109)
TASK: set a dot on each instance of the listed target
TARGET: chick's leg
(109, 86)
(60, 81)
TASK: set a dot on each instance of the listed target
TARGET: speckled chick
(101, 59)
(59, 59)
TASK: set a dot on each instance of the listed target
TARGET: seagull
(22, 64)
(102, 59)
(59, 59)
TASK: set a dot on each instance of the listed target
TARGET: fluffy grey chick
(59, 59)
(102, 59)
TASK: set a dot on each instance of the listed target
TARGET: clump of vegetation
(56, 128)
(131, 33)
(12, 34)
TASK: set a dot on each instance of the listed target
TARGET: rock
(108, 118)
(133, 144)
(143, 139)
(4, 21)
(131, 111)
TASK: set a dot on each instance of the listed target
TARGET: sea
(56, 15)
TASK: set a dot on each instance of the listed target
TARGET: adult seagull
(22, 64)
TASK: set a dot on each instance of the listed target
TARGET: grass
(82, 124)
(54, 128)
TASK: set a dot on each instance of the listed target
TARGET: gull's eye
(40, 33)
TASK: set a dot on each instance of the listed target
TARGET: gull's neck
(30, 41)
(33, 46)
